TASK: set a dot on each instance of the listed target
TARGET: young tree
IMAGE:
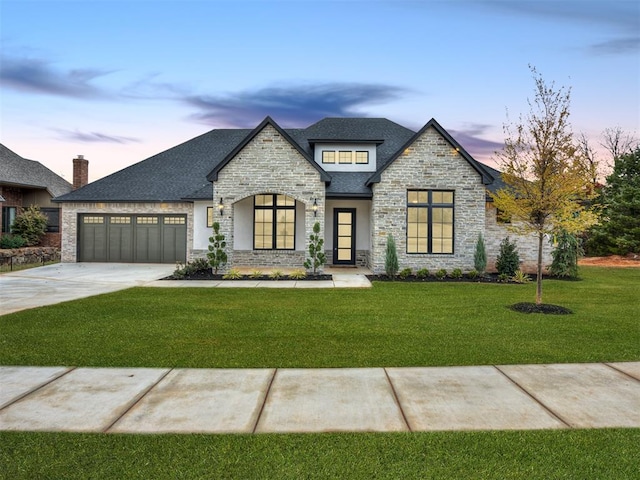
(546, 182)
(619, 232)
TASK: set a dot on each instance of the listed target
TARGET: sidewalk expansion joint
(397, 400)
(39, 387)
(264, 401)
(536, 399)
(137, 400)
(622, 372)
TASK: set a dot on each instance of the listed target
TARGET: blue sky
(119, 81)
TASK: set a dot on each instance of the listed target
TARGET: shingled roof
(20, 172)
(180, 173)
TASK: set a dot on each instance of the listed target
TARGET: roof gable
(213, 175)
(487, 179)
(16, 170)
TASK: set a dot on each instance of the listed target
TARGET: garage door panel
(131, 238)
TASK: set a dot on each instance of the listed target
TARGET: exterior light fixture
(221, 206)
(315, 207)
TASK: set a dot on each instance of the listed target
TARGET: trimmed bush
(565, 256)
(391, 258)
(480, 256)
(508, 259)
(11, 241)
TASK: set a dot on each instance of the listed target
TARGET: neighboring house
(360, 178)
(27, 182)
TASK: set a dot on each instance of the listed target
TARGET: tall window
(8, 216)
(274, 221)
(429, 221)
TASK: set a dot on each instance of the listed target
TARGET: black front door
(344, 236)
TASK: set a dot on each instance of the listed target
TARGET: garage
(127, 238)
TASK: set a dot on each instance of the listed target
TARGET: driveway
(69, 281)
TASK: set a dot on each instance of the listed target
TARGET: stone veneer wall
(430, 163)
(70, 213)
(527, 244)
(268, 164)
(362, 257)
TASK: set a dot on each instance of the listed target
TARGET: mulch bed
(546, 308)
(209, 275)
(487, 278)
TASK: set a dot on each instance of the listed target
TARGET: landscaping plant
(317, 257)
(508, 259)
(217, 255)
(565, 256)
(31, 225)
(391, 258)
(480, 256)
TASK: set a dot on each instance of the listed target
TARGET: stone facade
(268, 164)
(70, 213)
(429, 163)
(495, 232)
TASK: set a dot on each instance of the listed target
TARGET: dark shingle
(18, 171)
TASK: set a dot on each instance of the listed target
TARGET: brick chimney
(80, 172)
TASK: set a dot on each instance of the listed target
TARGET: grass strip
(567, 454)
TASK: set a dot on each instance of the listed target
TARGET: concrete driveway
(61, 282)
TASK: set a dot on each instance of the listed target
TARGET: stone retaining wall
(19, 256)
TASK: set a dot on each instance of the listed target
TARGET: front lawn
(391, 325)
(530, 455)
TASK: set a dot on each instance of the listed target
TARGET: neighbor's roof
(20, 172)
(180, 173)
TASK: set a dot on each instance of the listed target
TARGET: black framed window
(8, 216)
(274, 222)
(53, 219)
(430, 221)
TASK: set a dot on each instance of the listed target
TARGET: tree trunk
(539, 270)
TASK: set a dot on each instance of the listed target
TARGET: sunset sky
(119, 81)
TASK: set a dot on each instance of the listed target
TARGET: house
(360, 178)
(24, 183)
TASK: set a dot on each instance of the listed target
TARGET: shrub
(508, 259)
(217, 256)
(456, 273)
(565, 256)
(298, 274)
(520, 277)
(232, 274)
(480, 256)
(317, 257)
(256, 274)
(391, 258)
(31, 225)
(11, 241)
(405, 273)
(440, 274)
(276, 275)
(503, 277)
(189, 268)
(422, 273)
(472, 274)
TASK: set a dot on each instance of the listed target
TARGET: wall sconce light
(315, 207)
(220, 206)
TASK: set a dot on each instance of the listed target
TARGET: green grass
(575, 454)
(392, 324)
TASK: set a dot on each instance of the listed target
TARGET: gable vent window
(274, 222)
(430, 221)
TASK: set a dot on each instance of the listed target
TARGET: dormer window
(328, 156)
(346, 157)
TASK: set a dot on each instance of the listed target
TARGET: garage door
(132, 238)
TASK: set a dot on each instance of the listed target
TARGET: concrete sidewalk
(154, 400)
